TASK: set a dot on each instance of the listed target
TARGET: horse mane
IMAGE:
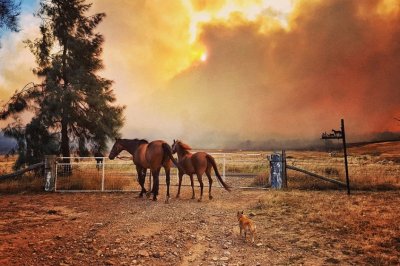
(142, 141)
(184, 145)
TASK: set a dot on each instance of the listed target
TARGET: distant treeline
(6, 144)
(314, 144)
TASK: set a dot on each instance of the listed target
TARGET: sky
(228, 74)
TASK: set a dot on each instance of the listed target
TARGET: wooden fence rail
(22, 171)
(315, 175)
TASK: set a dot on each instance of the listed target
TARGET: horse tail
(168, 151)
(211, 160)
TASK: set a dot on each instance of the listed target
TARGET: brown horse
(197, 163)
(153, 155)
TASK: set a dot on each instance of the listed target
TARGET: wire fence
(370, 170)
(102, 174)
(365, 172)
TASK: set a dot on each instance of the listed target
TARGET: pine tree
(9, 13)
(73, 106)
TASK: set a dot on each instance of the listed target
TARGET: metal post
(50, 173)
(55, 178)
(345, 157)
(223, 168)
(102, 175)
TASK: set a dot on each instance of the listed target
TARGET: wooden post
(50, 172)
(345, 157)
(315, 175)
(284, 173)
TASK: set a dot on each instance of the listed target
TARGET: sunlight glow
(203, 57)
(250, 10)
(273, 13)
(388, 6)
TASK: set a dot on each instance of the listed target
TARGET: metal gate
(89, 174)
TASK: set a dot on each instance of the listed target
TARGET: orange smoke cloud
(336, 59)
(218, 73)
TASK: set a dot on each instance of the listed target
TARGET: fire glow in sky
(217, 73)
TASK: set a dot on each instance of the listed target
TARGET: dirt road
(293, 227)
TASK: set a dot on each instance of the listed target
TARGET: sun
(203, 57)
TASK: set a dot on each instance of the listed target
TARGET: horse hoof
(166, 200)
(140, 196)
(177, 196)
(210, 197)
(154, 199)
(148, 194)
(199, 200)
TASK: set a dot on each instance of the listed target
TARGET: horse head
(179, 145)
(116, 149)
(174, 146)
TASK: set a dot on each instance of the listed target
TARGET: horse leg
(141, 172)
(167, 180)
(150, 189)
(180, 183)
(156, 183)
(210, 181)
(200, 178)
(192, 184)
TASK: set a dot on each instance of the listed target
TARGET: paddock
(85, 174)
(310, 222)
(246, 170)
(293, 227)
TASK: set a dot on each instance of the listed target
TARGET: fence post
(284, 172)
(277, 176)
(345, 156)
(102, 174)
(223, 168)
(50, 172)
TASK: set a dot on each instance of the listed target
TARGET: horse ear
(242, 212)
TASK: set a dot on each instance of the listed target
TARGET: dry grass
(76, 181)
(365, 172)
(79, 181)
(6, 164)
(363, 226)
(261, 180)
(29, 182)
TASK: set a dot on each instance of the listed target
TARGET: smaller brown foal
(196, 163)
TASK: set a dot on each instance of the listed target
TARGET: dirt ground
(293, 228)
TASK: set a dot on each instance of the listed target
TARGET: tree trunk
(64, 138)
(64, 120)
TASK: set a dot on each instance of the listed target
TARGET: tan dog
(246, 225)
